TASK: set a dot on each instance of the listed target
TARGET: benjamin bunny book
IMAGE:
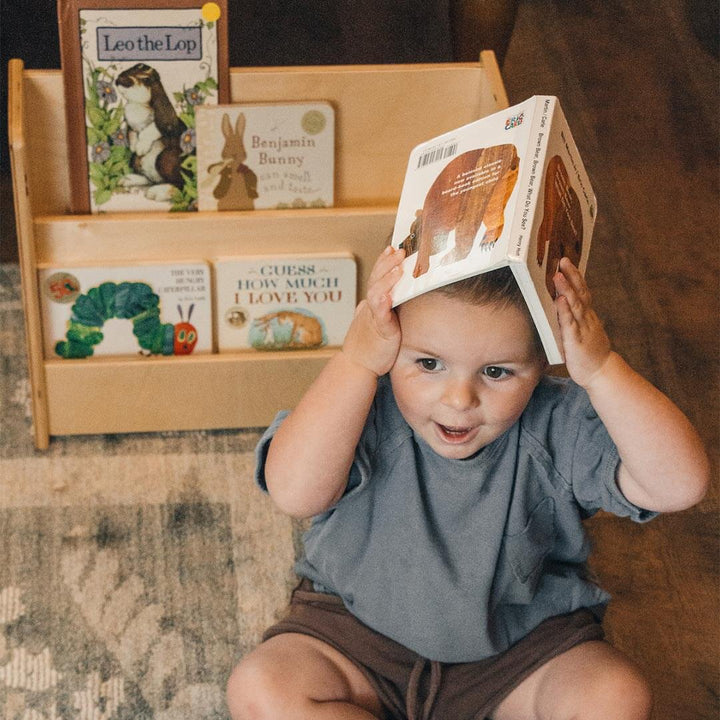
(142, 309)
(273, 155)
(509, 189)
(284, 302)
(134, 73)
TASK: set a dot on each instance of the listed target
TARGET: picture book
(147, 309)
(253, 157)
(134, 73)
(288, 302)
(509, 189)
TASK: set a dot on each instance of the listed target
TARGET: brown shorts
(411, 687)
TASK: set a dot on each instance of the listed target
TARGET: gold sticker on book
(62, 287)
(210, 12)
(313, 122)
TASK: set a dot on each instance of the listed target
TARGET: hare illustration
(305, 331)
(237, 187)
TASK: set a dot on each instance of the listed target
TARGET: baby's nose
(460, 394)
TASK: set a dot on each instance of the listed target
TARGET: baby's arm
(663, 463)
(310, 456)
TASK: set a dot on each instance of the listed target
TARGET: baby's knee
(250, 691)
(619, 691)
(629, 692)
(593, 681)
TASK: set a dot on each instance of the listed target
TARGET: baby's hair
(497, 287)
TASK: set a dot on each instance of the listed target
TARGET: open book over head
(509, 189)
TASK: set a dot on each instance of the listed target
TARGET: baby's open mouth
(455, 434)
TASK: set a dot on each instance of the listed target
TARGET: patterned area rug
(136, 569)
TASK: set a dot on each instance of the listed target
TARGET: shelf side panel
(21, 167)
(45, 128)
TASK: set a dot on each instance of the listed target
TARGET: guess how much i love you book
(509, 189)
(284, 302)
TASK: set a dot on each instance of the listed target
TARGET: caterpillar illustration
(133, 301)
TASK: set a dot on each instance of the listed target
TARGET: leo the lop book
(509, 189)
(124, 310)
(134, 73)
(284, 302)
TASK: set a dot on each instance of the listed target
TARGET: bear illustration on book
(134, 301)
(561, 230)
(472, 190)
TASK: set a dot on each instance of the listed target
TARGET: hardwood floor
(641, 94)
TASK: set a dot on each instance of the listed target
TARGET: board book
(284, 302)
(147, 309)
(273, 155)
(134, 73)
(509, 189)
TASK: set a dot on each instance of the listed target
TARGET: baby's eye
(496, 373)
(429, 364)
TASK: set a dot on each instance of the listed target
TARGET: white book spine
(531, 176)
(528, 218)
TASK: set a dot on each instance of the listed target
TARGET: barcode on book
(440, 152)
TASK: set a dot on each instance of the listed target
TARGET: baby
(444, 574)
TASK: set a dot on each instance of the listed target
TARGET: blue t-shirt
(459, 559)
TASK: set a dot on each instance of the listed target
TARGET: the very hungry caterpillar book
(134, 72)
(143, 309)
(284, 302)
(509, 189)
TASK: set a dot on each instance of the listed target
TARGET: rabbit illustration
(305, 330)
(154, 132)
(237, 187)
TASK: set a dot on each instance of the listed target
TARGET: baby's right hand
(373, 339)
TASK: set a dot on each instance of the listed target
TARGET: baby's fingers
(389, 258)
(570, 285)
(384, 275)
(574, 279)
(585, 342)
(566, 316)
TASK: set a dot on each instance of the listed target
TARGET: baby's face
(464, 373)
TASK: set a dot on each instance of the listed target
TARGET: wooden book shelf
(381, 113)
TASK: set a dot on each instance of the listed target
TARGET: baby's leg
(592, 681)
(297, 677)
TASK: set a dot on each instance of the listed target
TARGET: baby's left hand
(585, 341)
